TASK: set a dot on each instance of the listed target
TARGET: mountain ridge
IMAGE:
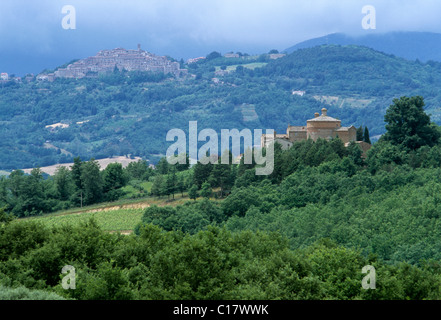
(410, 45)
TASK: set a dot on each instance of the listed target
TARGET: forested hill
(131, 113)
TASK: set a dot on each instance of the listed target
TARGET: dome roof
(324, 117)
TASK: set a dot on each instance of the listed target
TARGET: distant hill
(424, 46)
(45, 123)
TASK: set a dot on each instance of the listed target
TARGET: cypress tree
(360, 136)
(366, 137)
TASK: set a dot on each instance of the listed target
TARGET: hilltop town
(123, 59)
(106, 61)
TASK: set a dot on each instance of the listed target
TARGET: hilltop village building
(321, 126)
(122, 59)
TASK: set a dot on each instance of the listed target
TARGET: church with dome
(321, 126)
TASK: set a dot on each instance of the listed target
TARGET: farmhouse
(275, 56)
(231, 55)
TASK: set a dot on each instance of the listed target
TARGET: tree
(360, 133)
(15, 182)
(201, 173)
(76, 172)
(64, 183)
(221, 174)
(239, 202)
(92, 182)
(188, 181)
(355, 153)
(171, 182)
(182, 167)
(384, 155)
(366, 137)
(138, 170)
(339, 147)
(180, 185)
(193, 192)
(240, 70)
(248, 154)
(213, 55)
(4, 192)
(277, 175)
(33, 193)
(408, 126)
(5, 218)
(163, 166)
(206, 190)
(114, 180)
(158, 185)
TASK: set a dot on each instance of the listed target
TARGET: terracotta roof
(323, 118)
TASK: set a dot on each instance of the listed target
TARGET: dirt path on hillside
(120, 207)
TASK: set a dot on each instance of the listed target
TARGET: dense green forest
(130, 113)
(303, 232)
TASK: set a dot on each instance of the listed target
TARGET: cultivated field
(50, 170)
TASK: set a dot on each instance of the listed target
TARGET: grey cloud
(185, 28)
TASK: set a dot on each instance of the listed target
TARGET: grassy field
(121, 220)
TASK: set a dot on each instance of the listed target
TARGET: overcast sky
(31, 32)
